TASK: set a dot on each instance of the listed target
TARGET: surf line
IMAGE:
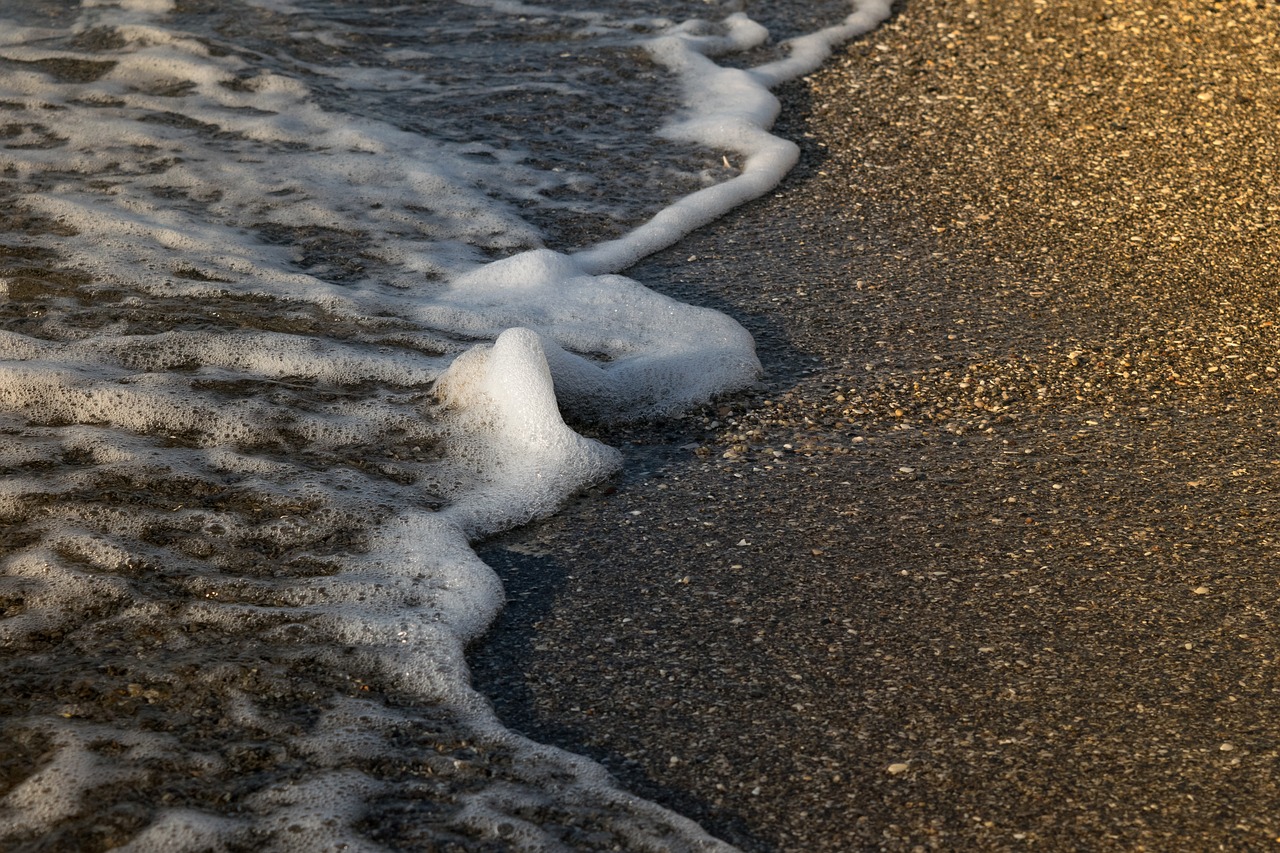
(544, 308)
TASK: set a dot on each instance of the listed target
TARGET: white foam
(730, 109)
(422, 204)
(185, 831)
(807, 52)
(293, 355)
(316, 814)
(662, 355)
(149, 7)
(55, 791)
(509, 427)
(52, 592)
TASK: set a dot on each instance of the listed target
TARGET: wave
(297, 299)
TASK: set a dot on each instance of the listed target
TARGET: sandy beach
(988, 559)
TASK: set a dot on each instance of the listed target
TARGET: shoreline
(987, 558)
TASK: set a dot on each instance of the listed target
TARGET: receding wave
(296, 297)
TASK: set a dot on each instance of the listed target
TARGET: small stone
(1201, 590)
(1227, 747)
(895, 769)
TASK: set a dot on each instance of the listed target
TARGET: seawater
(296, 296)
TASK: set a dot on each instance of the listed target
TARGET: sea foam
(301, 299)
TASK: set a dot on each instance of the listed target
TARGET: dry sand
(990, 558)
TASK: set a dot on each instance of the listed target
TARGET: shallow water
(295, 296)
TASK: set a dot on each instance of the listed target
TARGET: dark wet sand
(990, 559)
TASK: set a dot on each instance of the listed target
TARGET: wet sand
(989, 558)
